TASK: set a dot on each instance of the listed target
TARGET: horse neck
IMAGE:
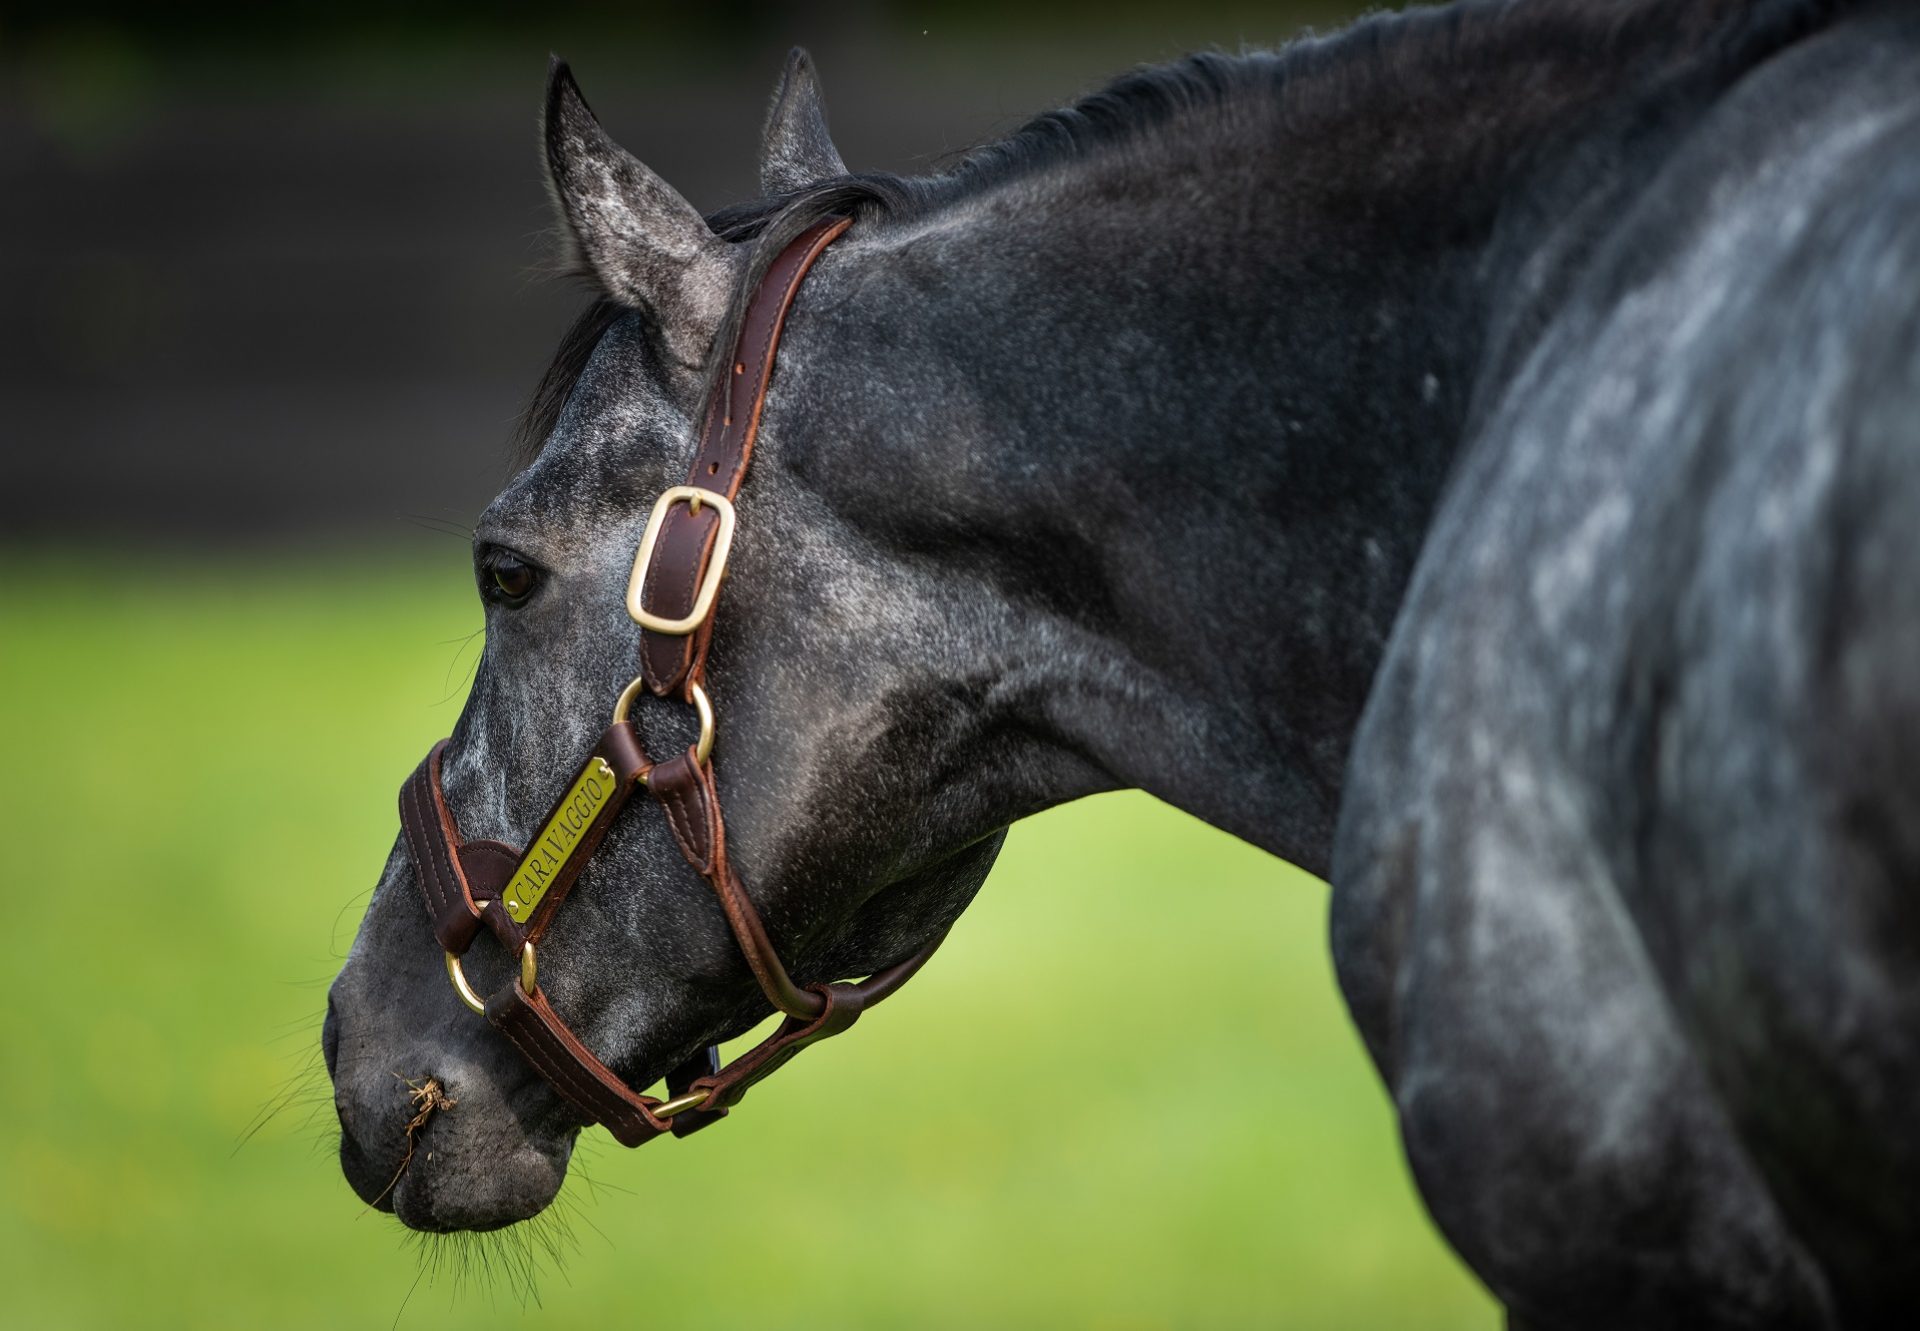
(1179, 414)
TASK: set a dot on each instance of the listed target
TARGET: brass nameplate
(559, 839)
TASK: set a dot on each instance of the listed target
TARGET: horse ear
(645, 245)
(796, 150)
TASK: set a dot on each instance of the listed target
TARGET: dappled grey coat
(1472, 456)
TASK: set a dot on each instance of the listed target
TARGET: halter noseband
(676, 578)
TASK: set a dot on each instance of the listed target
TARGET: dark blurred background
(271, 273)
(269, 304)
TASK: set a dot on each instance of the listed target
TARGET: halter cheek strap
(470, 884)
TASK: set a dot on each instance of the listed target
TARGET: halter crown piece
(676, 578)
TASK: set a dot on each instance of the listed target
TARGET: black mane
(1372, 66)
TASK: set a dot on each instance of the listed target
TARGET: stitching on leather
(532, 1051)
(680, 817)
(583, 1085)
(450, 838)
(444, 896)
(408, 795)
(764, 363)
(582, 1068)
(437, 852)
(693, 569)
(574, 1080)
(676, 819)
(681, 821)
(739, 912)
(672, 526)
(668, 534)
(559, 1074)
(430, 875)
(802, 264)
(711, 449)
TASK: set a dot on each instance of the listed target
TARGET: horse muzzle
(443, 1133)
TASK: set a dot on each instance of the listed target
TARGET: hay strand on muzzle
(426, 1095)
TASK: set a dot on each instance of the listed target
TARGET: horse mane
(1376, 62)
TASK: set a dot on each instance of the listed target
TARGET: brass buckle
(694, 497)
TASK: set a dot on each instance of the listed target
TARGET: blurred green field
(1203, 1146)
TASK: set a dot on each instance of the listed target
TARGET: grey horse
(1470, 456)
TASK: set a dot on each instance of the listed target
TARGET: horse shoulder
(1598, 804)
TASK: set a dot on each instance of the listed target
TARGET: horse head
(845, 687)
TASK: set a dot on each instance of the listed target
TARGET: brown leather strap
(685, 790)
(842, 1004)
(463, 883)
(672, 579)
(546, 1041)
(456, 876)
(535, 1029)
(445, 865)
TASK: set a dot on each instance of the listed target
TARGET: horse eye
(508, 579)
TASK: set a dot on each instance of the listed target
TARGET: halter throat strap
(467, 885)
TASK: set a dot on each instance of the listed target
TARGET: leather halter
(467, 884)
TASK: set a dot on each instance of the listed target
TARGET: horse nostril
(330, 1037)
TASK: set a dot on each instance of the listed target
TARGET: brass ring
(623, 709)
(703, 705)
(529, 978)
(461, 987)
(623, 705)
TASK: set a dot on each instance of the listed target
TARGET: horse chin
(450, 1191)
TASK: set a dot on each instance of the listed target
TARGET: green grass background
(1125, 1094)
